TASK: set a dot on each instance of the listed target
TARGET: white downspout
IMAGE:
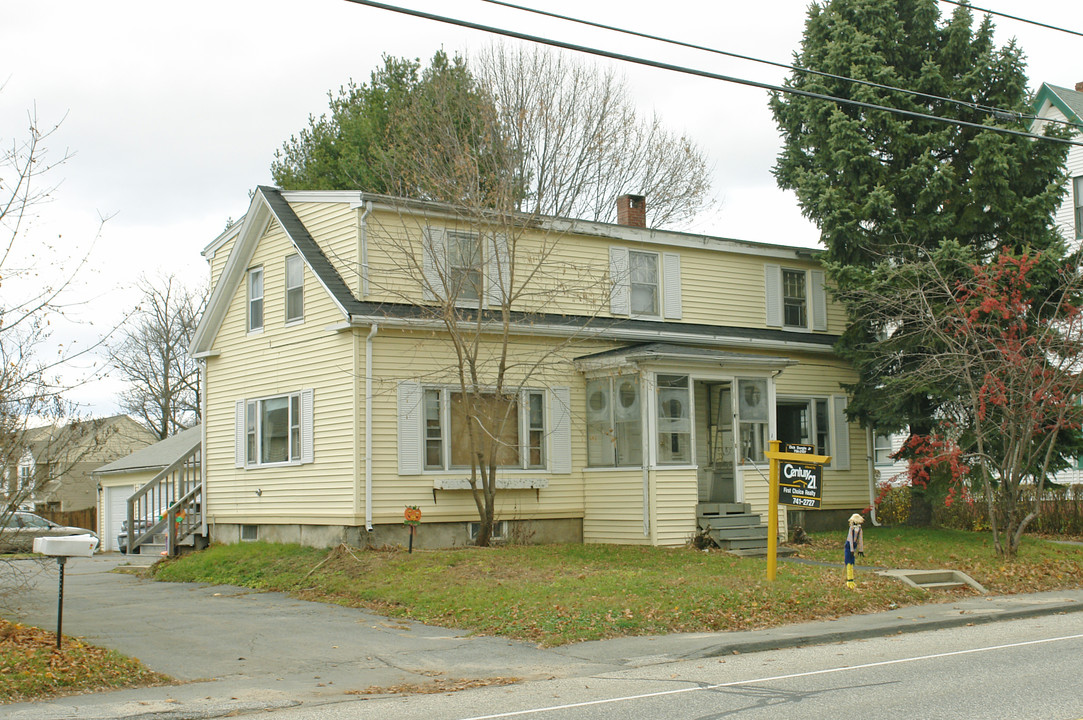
(368, 426)
(870, 457)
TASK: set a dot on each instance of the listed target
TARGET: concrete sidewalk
(237, 650)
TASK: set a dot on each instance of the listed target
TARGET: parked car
(122, 536)
(19, 530)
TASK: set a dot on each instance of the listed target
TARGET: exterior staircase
(167, 513)
(732, 526)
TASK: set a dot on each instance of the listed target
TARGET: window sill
(459, 483)
(255, 331)
(295, 321)
(289, 463)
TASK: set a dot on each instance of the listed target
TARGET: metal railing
(171, 503)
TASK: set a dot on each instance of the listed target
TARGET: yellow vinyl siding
(428, 359)
(613, 506)
(280, 360)
(675, 494)
(334, 226)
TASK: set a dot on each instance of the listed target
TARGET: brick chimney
(1079, 87)
(632, 210)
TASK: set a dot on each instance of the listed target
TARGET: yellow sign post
(776, 456)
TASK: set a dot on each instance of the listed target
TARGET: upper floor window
(794, 299)
(295, 288)
(1077, 197)
(255, 299)
(464, 267)
(644, 282)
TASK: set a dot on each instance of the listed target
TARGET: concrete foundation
(821, 520)
(429, 535)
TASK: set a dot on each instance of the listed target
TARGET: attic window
(255, 299)
(295, 289)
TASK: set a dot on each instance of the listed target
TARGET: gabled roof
(1068, 101)
(159, 455)
(267, 205)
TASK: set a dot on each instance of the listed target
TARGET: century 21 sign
(799, 484)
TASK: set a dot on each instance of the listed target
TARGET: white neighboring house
(1066, 105)
(886, 469)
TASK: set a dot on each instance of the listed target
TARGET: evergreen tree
(885, 188)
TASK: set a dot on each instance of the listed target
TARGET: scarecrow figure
(855, 544)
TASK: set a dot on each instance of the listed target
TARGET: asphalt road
(1011, 670)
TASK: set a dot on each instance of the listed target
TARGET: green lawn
(556, 594)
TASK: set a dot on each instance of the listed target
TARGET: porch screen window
(794, 299)
(255, 299)
(614, 422)
(276, 430)
(295, 288)
(753, 414)
(674, 420)
(512, 425)
(805, 422)
(464, 265)
(643, 282)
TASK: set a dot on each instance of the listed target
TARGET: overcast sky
(174, 111)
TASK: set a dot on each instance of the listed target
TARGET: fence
(85, 518)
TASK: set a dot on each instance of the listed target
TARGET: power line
(1012, 17)
(701, 73)
(995, 111)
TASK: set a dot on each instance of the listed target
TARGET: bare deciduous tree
(152, 356)
(580, 143)
(485, 274)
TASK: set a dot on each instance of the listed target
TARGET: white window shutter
(560, 436)
(410, 430)
(307, 423)
(818, 298)
(240, 439)
(434, 262)
(841, 459)
(671, 276)
(497, 270)
(620, 290)
(772, 277)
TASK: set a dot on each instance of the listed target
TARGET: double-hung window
(794, 299)
(511, 428)
(614, 422)
(882, 449)
(754, 416)
(464, 258)
(295, 289)
(275, 430)
(643, 282)
(255, 299)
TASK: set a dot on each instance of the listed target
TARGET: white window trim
(815, 299)
(876, 449)
(668, 285)
(250, 299)
(840, 458)
(305, 453)
(658, 289)
(301, 318)
(644, 422)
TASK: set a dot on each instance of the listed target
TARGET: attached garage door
(116, 504)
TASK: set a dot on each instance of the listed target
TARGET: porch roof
(685, 354)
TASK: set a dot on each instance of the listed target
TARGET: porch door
(716, 442)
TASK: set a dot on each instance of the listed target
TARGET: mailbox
(67, 546)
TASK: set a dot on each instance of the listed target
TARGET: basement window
(249, 533)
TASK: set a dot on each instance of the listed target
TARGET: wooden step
(719, 522)
(713, 509)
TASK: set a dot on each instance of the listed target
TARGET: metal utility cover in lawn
(800, 484)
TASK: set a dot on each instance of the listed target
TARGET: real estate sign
(800, 484)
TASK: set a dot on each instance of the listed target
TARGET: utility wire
(995, 111)
(1012, 17)
(701, 73)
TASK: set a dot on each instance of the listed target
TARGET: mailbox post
(63, 548)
